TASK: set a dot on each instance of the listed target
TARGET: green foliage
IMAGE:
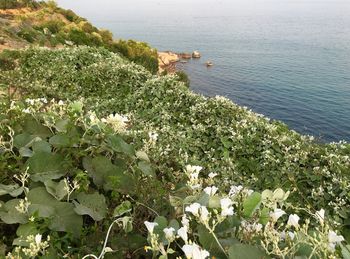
(129, 169)
(11, 4)
(50, 192)
(139, 52)
(183, 77)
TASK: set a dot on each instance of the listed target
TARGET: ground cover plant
(178, 173)
(43, 23)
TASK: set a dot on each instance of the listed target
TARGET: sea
(286, 59)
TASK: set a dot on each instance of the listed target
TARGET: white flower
(277, 214)
(27, 110)
(61, 103)
(153, 136)
(195, 252)
(37, 239)
(184, 221)
(108, 250)
(334, 239)
(193, 208)
(117, 122)
(190, 169)
(211, 190)
(204, 214)
(257, 227)
(212, 175)
(235, 190)
(291, 235)
(320, 215)
(169, 233)
(150, 226)
(226, 207)
(182, 232)
(293, 220)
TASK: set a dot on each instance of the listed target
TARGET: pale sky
(107, 9)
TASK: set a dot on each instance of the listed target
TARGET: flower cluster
(35, 247)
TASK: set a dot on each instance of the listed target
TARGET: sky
(126, 9)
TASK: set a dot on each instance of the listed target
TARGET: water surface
(289, 60)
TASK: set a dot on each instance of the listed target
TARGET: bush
(27, 34)
(183, 77)
(139, 52)
(261, 189)
(11, 4)
(54, 26)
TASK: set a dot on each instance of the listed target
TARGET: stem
(217, 241)
(104, 244)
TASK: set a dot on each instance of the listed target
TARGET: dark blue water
(289, 60)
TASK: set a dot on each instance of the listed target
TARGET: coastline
(167, 61)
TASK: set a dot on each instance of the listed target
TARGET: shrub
(54, 26)
(175, 128)
(28, 34)
(183, 77)
(139, 52)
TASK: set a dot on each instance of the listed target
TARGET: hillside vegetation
(90, 139)
(24, 23)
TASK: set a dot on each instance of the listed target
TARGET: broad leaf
(41, 202)
(45, 166)
(146, 168)
(60, 141)
(58, 190)
(65, 219)
(251, 204)
(10, 215)
(118, 144)
(93, 205)
(14, 190)
(41, 146)
(123, 208)
(241, 251)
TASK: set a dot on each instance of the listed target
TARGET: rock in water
(196, 54)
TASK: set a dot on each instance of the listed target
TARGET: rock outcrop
(167, 61)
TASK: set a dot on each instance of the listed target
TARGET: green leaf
(41, 146)
(93, 205)
(23, 140)
(45, 166)
(209, 243)
(25, 152)
(61, 215)
(146, 168)
(10, 215)
(23, 231)
(345, 251)
(214, 202)
(35, 128)
(61, 125)
(10, 189)
(100, 168)
(174, 224)
(264, 216)
(118, 144)
(203, 199)
(65, 219)
(59, 141)
(76, 107)
(142, 156)
(241, 251)
(41, 202)
(58, 190)
(123, 208)
(127, 224)
(251, 204)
